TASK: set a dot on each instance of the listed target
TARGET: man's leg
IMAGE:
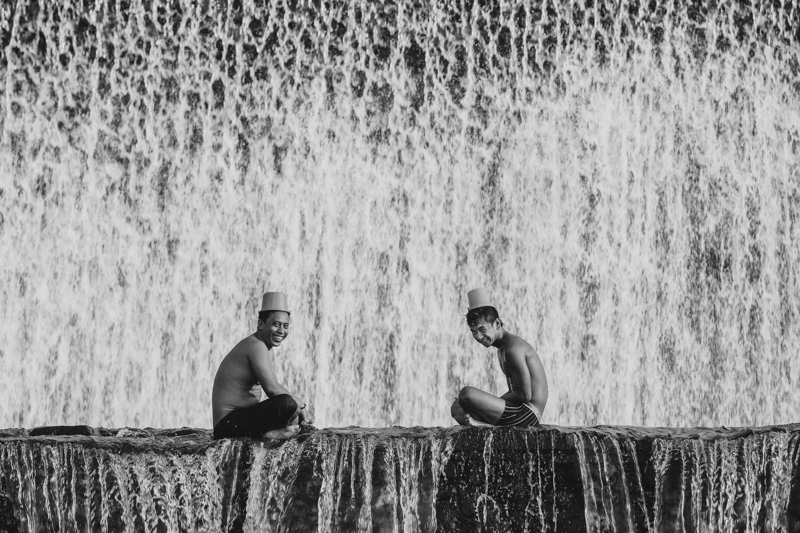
(279, 416)
(271, 418)
(458, 413)
(480, 405)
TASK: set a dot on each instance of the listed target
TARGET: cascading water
(624, 177)
(330, 481)
(421, 479)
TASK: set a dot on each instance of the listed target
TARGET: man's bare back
(534, 387)
(236, 385)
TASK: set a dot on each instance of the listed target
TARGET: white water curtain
(624, 181)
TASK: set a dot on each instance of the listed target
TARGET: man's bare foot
(282, 433)
(478, 423)
(462, 420)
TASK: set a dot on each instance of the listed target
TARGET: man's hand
(303, 416)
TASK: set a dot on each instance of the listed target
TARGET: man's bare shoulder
(517, 346)
(248, 347)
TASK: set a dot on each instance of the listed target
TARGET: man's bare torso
(538, 379)
(236, 385)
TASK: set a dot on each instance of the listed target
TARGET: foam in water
(624, 177)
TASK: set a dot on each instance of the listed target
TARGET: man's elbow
(523, 397)
(275, 391)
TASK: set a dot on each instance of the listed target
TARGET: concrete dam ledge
(551, 478)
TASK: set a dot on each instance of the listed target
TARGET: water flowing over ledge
(625, 176)
(410, 479)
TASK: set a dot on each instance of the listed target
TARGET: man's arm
(519, 378)
(264, 369)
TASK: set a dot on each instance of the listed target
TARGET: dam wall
(403, 479)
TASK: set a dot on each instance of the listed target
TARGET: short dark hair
(264, 315)
(487, 313)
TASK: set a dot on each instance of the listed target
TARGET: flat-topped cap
(275, 301)
(478, 298)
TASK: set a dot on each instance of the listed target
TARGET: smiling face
(485, 332)
(274, 328)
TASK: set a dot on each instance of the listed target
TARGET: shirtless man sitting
(525, 400)
(249, 367)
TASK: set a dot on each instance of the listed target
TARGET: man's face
(275, 328)
(485, 332)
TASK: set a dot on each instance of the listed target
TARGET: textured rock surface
(417, 479)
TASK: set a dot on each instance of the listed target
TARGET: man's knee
(456, 410)
(286, 406)
(465, 397)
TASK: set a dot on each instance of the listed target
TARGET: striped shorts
(524, 414)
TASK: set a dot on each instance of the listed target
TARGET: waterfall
(623, 177)
(327, 482)
(419, 479)
(696, 482)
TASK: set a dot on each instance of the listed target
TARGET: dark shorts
(524, 414)
(254, 421)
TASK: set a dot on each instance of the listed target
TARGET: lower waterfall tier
(402, 479)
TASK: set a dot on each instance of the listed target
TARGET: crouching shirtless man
(525, 400)
(249, 367)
